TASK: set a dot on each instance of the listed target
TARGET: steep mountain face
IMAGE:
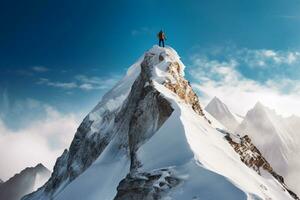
(1, 181)
(276, 138)
(27, 181)
(221, 112)
(150, 139)
(293, 122)
(292, 177)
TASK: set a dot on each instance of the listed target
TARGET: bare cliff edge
(153, 105)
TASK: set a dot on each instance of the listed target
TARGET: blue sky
(62, 56)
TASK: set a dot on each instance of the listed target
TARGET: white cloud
(40, 69)
(142, 30)
(267, 57)
(63, 85)
(41, 140)
(82, 82)
(96, 83)
(222, 79)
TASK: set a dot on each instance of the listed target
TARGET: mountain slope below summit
(154, 143)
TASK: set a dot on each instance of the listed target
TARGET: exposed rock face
(148, 110)
(152, 186)
(253, 158)
(24, 182)
(182, 88)
(83, 151)
(142, 113)
(147, 186)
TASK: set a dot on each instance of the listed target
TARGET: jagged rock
(182, 88)
(147, 186)
(142, 113)
(253, 158)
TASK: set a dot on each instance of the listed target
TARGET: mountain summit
(149, 138)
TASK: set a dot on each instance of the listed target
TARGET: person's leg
(163, 43)
(159, 43)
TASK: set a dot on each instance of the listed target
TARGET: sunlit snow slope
(150, 139)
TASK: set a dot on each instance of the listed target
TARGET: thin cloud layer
(41, 141)
(40, 69)
(82, 82)
(222, 77)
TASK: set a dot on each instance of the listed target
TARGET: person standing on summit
(162, 37)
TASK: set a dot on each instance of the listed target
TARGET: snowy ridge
(150, 139)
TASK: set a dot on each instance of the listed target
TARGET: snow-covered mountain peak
(159, 59)
(217, 105)
(148, 138)
(221, 112)
(259, 105)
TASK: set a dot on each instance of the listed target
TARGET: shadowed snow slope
(150, 139)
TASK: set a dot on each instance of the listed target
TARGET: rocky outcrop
(147, 186)
(253, 158)
(140, 116)
(144, 111)
(180, 86)
(82, 152)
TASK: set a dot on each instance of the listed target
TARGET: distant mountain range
(25, 182)
(221, 112)
(277, 137)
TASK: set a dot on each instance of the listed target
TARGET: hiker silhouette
(161, 37)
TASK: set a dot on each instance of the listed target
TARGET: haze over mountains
(275, 136)
(25, 182)
(221, 112)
